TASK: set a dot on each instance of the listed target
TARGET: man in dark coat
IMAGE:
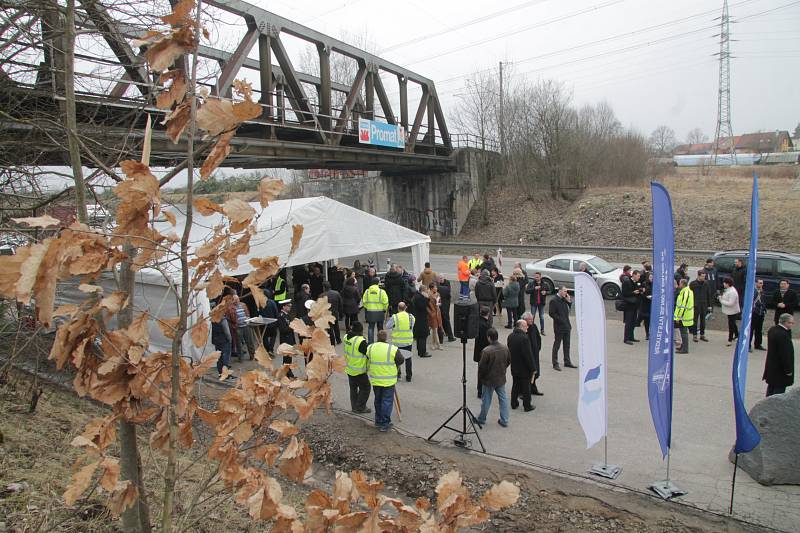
(445, 295)
(299, 301)
(492, 375)
(759, 312)
(315, 279)
(536, 345)
(785, 299)
(739, 276)
(630, 298)
(522, 368)
(481, 340)
(484, 291)
(270, 310)
(559, 312)
(538, 298)
(703, 302)
(395, 287)
(779, 365)
(285, 332)
(335, 300)
(419, 308)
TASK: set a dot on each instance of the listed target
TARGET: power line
(463, 24)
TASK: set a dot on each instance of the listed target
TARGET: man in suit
(559, 312)
(335, 301)
(759, 311)
(630, 297)
(785, 299)
(481, 341)
(521, 366)
(779, 365)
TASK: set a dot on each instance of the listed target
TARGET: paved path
(703, 422)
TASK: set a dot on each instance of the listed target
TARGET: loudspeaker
(465, 320)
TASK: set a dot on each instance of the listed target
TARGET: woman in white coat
(730, 306)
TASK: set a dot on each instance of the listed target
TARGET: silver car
(560, 270)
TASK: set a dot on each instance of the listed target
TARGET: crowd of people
(404, 310)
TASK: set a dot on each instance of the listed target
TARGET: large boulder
(776, 460)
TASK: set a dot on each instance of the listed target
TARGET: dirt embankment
(711, 212)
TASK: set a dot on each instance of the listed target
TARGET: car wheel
(548, 286)
(610, 291)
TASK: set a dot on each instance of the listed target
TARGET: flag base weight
(667, 489)
(605, 470)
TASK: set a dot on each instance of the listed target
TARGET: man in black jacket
(538, 298)
(703, 301)
(759, 312)
(484, 291)
(739, 276)
(521, 365)
(559, 312)
(445, 296)
(630, 297)
(785, 299)
(779, 365)
(481, 340)
(395, 287)
(335, 301)
(285, 332)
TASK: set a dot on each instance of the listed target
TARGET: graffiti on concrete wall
(438, 220)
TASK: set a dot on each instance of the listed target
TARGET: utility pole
(502, 116)
(724, 128)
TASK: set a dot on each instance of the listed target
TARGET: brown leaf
(500, 496)
(206, 206)
(238, 210)
(176, 92)
(448, 484)
(29, 270)
(264, 503)
(168, 326)
(110, 475)
(295, 460)
(284, 427)
(84, 287)
(170, 217)
(264, 269)
(259, 297)
(297, 234)
(163, 53)
(320, 313)
(287, 521)
(217, 155)
(224, 374)
(124, 496)
(268, 453)
(208, 361)
(268, 190)
(368, 489)
(181, 15)
(286, 350)
(177, 120)
(80, 482)
(200, 332)
(217, 116)
(10, 271)
(44, 221)
(262, 356)
(215, 285)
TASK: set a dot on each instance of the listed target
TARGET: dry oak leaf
(287, 350)
(170, 216)
(500, 496)
(29, 270)
(215, 285)
(176, 92)
(262, 356)
(110, 475)
(206, 206)
(449, 483)
(217, 155)
(168, 326)
(259, 297)
(44, 221)
(295, 460)
(284, 427)
(200, 332)
(217, 116)
(320, 313)
(85, 287)
(181, 14)
(268, 190)
(100, 432)
(264, 269)
(10, 271)
(301, 328)
(79, 483)
(297, 234)
(287, 521)
(163, 52)
(264, 503)
(124, 495)
(238, 211)
(368, 489)
(204, 365)
(177, 120)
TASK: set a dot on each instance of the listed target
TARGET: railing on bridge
(470, 140)
(111, 74)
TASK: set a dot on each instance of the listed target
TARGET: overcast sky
(652, 61)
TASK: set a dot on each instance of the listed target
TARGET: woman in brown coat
(434, 315)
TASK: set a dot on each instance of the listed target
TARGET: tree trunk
(70, 113)
(135, 519)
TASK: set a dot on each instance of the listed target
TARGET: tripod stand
(466, 414)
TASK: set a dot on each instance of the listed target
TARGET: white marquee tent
(331, 230)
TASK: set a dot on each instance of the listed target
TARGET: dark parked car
(771, 266)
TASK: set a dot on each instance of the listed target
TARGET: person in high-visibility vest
(684, 313)
(375, 302)
(400, 330)
(279, 290)
(355, 354)
(382, 362)
(475, 263)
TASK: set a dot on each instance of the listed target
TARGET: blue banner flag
(747, 436)
(659, 361)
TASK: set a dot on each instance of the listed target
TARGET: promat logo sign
(380, 134)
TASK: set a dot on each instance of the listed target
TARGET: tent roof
(331, 230)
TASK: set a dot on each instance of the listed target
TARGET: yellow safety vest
(381, 369)
(356, 361)
(473, 263)
(280, 289)
(684, 307)
(402, 329)
(375, 299)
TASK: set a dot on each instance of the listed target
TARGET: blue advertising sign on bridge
(380, 134)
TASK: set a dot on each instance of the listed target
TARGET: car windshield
(601, 265)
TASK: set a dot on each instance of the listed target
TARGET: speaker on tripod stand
(465, 327)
